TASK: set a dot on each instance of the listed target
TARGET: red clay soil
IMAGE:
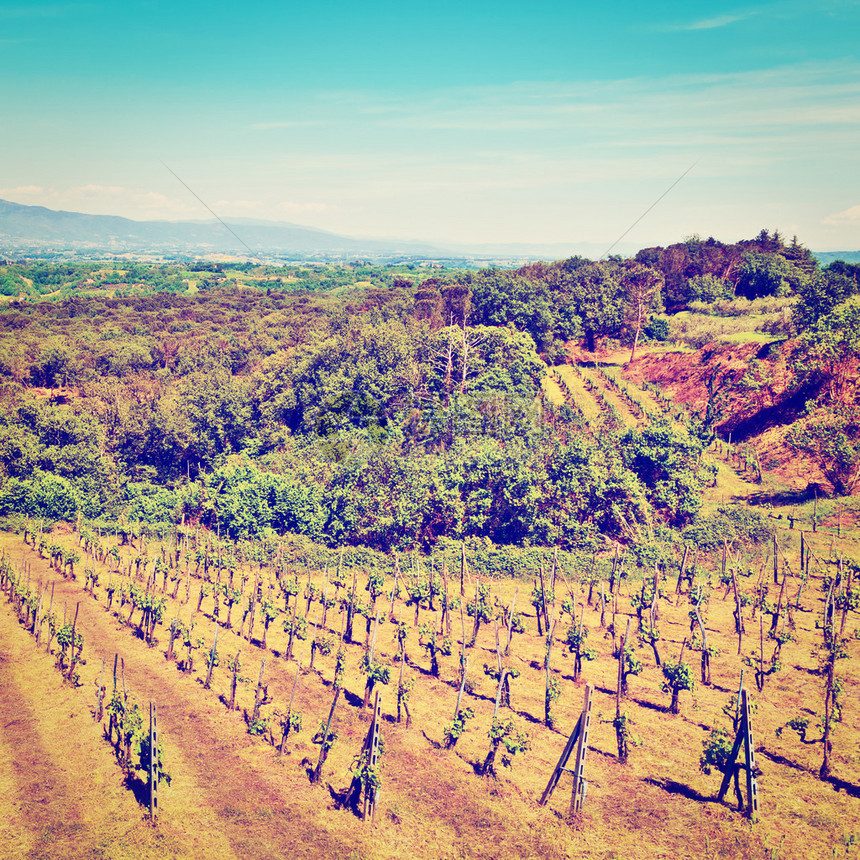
(684, 377)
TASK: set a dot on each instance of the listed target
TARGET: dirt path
(40, 815)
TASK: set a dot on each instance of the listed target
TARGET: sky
(453, 122)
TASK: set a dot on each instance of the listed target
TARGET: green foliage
(514, 741)
(297, 627)
(376, 672)
(708, 288)
(823, 292)
(765, 274)
(632, 664)
(457, 726)
(678, 677)
(657, 329)
(45, 495)
(369, 775)
(832, 438)
(259, 727)
(732, 523)
(800, 725)
(575, 641)
(716, 751)
(391, 416)
(666, 461)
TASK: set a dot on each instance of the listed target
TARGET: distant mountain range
(827, 257)
(36, 229)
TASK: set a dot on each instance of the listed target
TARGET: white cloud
(222, 206)
(714, 23)
(739, 105)
(100, 190)
(21, 191)
(304, 208)
(275, 124)
(851, 215)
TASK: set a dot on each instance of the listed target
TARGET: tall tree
(642, 285)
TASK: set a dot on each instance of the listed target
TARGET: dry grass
(233, 797)
(553, 391)
(581, 396)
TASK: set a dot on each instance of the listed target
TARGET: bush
(657, 329)
(730, 524)
(44, 495)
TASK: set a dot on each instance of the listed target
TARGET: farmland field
(231, 794)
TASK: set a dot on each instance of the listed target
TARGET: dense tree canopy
(395, 407)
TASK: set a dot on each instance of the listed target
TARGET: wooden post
(259, 695)
(577, 795)
(560, 767)
(749, 759)
(511, 621)
(683, 569)
(775, 561)
(153, 763)
(739, 619)
(464, 667)
(71, 675)
(317, 774)
(745, 737)
(373, 758)
(211, 665)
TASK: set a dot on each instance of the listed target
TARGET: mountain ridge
(24, 228)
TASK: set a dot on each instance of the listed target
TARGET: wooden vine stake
(745, 737)
(371, 793)
(579, 740)
(153, 764)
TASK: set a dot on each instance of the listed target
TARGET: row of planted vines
(485, 662)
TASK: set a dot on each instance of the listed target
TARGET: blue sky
(461, 122)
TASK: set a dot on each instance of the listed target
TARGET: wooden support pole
(744, 737)
(153, 763)
(749, 758)
(371, 794)
(577, 795)
(559, 768)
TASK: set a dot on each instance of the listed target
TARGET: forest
(397, 409)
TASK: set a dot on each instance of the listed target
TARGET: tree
(594, 293)
(709, 288)
(666, 460)
(768, 275)
(822, 293)
(643, 295)
(831, 437)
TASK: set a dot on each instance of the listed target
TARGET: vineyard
(264, 658)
